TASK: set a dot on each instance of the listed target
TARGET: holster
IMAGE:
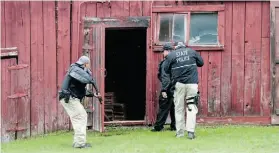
(196, 100)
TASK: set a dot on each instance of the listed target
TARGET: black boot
(155, 129)
(173, 128)
(191, 135)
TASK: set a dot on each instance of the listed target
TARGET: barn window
(203, 29)
(172, 27)
(193, 28)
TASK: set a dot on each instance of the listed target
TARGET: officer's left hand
(164, 95)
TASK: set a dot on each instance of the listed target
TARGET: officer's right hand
(164, 95)
(98, 95)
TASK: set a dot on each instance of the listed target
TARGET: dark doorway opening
(125, 82)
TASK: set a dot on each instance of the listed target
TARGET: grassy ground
(223, 139)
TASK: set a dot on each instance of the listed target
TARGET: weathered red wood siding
(49, 35)
(236, 81)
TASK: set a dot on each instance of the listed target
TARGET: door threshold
(126, 123)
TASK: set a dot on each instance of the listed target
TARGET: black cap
(167, 47)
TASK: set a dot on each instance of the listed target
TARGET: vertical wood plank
(252, 58)
(149, 79)
(275, 52)
(238, 54)
(9, 117)
(265, 61)
(3, 26)
(126, 6)
(75, 32)
(63, 53)
(50, 87)
(265, 77)
(91, 11)
(97, 67)
(136, 8)
(117, 8)
(199, 87)
(147, 12)
(82, 14)
(265, 19)
(203, 110)
(103, 9)
(75, 26)
(10, 19)
(2, 45)
(199, 76)
(4, 97)
(37, 75)
(23, 75)
(8, 106)
(15, 111)
(226, 71)
(214, 77)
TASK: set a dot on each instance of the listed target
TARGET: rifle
(90, 94)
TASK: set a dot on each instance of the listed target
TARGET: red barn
(237, 40)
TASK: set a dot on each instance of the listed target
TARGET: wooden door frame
(125, 22)
(274, 62)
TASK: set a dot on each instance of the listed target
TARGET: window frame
(219, 9)
(186, 16)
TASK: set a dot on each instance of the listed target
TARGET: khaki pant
(181, 93)
(78, 118)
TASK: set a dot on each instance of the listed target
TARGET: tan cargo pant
(181, 93)
(78, 118)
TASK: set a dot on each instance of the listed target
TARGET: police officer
(181, 65)
(166, 104)
(70, 96)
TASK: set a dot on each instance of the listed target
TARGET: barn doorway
(125, 81)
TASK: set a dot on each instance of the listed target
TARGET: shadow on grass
(119, 130)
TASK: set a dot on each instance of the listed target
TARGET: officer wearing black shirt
(166, 104)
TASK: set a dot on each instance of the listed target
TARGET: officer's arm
(66, 82)
(65, 93)
(199, 59)
(165, 79)
(93, 82)
(166, 73)
(159, 72)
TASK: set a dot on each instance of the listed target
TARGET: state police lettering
(182, 56)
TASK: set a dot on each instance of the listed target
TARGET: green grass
(221, 139)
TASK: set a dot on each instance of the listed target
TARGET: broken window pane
(165, 32)
(203, 29)
(179, 27)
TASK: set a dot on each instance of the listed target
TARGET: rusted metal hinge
(18, 67)
(17, 95)
(16, 129)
